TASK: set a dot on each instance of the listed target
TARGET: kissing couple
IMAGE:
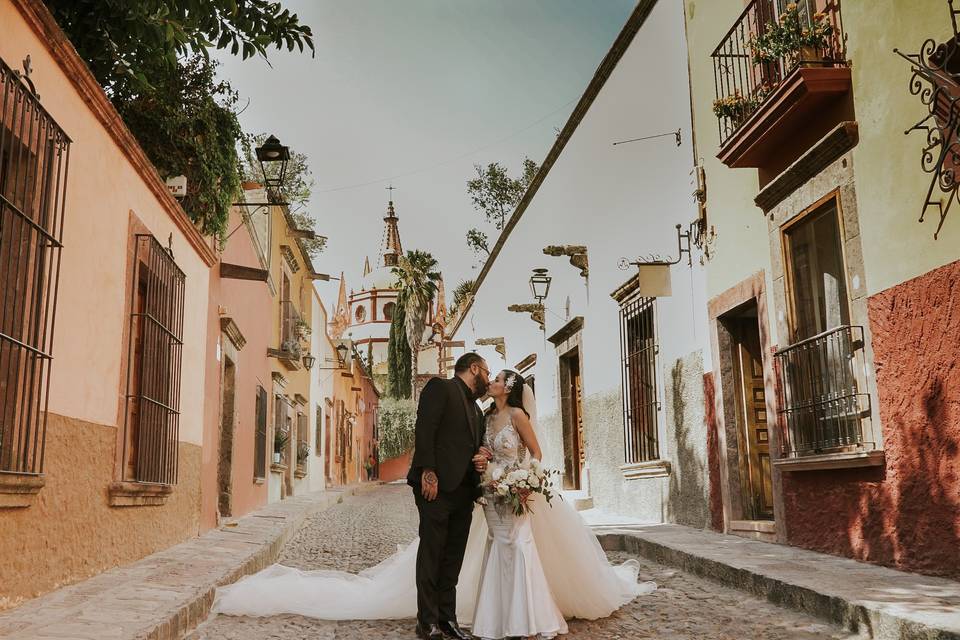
(475, 562)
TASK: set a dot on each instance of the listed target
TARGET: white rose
(534, 481)
(535, 464)
(522, 474)
(496, 473)
(502, 490)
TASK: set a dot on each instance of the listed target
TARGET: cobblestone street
(366, 528)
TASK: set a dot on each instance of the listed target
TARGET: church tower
(371, 306)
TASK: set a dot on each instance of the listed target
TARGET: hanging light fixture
(269, 154)
(540, 284)
(309, 361)
(342, 349)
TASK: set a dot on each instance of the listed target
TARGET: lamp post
(540, 285)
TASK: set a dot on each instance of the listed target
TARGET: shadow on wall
(688, 503)
(907, 514)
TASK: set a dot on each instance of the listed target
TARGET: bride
(521, 576)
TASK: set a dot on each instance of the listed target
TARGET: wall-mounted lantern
(309, 361)
(540, 285)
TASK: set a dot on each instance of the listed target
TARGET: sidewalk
(873, 601)
(164, 595)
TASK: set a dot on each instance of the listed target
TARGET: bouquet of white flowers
(513, 486)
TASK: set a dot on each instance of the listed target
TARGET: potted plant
(302, 329)
(736, 107)
(303, 453)
(280, 440)
(793, 38)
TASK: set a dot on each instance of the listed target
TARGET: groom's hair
(466, 361)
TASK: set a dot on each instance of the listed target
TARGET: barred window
(151, 433)
(303, 441)
(638, 349)
(260, 439)
(34, 155)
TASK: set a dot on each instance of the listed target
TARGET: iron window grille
(152, 426)
(290, 328)
(638, 349)
(282, 420)
(260, 438)
(743, 82)
(34, 159)
(822, 407)
(303, 441)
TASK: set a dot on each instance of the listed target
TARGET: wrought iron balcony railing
(769, 40)
(290, 328)
(822, 403)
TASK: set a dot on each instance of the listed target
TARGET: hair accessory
(511, 380)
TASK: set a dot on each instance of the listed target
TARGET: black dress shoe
(429, 632)
(453, 630)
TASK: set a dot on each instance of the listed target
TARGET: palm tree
(417, 280)
(461, 294)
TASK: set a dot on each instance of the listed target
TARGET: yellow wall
(891, 187)
(741, 247)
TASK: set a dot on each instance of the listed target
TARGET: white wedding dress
(579, 581)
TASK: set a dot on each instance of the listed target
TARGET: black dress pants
(444, 528)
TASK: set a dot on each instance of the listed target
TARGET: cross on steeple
(390, 189)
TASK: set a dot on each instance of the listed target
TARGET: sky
(414, 93)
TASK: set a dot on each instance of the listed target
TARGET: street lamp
(269, 153)
(342, 349)
(309, 361)
(540, 284)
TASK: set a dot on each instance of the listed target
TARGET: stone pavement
(366, 528)
(874, 601)
(164, 595)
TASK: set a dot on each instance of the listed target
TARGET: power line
(450, 160)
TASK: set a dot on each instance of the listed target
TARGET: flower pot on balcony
(810, 56)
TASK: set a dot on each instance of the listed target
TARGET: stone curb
(167, 594)
(878, 620)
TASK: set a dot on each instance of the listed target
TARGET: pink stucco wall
(250, 304)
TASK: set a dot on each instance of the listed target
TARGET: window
(281, 425)
(361, 313)
(260, 438)
(816, 276)
(820, 398)
(388, 310)
(151, 432)
(638, 350)
(303, 441)
(34, 155)
(317, 450)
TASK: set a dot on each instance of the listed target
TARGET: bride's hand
(480, 462)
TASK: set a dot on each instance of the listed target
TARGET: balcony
(822, 403)
(779, 65)
(292, 330)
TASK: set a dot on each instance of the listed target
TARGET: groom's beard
(479, 389)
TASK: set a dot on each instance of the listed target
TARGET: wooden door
(755, 462)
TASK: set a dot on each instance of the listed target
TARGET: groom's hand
(429, 485)
(480, 462)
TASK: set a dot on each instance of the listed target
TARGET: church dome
(379, 279)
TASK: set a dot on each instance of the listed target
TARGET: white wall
(619, 201)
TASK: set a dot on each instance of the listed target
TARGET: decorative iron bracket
(24, 77)
(937, 87)
(500, 346)
(576, 253)
(683, 247)
(537, 313)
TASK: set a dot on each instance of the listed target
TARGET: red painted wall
(713, 452)
(907, 514)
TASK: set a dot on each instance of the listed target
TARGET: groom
(445, 478)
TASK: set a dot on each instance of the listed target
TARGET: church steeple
(341, 316)
(392, 250)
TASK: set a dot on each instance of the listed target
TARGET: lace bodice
(505, 443)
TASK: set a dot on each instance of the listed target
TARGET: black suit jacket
(449, 431)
